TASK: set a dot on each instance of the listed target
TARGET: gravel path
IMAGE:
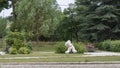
(102, 53)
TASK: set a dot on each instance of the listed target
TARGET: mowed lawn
(45, 52)
(53, 57)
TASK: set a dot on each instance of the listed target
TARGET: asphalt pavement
(61, 65)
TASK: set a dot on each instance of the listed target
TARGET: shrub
(60, 47)
(11, 36)
(16, 40)
(80, 47)
(24, 50)
(29, 46)
(110, 45)
(17, 44)
(12, 50)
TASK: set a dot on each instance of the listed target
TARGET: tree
(6, 4)
(103, 17)
(13, 5)
(72, 23)
(37, 17)
(3, 24)
(3, 4)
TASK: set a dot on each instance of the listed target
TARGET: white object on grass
(2, 53)
(70, 47)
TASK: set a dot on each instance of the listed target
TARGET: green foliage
(16, 41)
(80, 47)
(17, 44)
(13, 50)
(110, 45)
(3, 4)
(41, 19)
(28, 45)
(3, 25)
(92, 20)
(17, 35)
(72, 23)
(24, 50)
(13, 36)
(60, 47)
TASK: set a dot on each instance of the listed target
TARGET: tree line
(85, 20)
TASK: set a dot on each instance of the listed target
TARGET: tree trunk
(76, 34)
(14, 13)
(37, 27)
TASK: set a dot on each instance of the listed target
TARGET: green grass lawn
(44, 46)
(53, 57)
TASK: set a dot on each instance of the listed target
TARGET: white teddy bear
(70, 47)
(2, 53)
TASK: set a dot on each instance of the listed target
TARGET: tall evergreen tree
(103, 17)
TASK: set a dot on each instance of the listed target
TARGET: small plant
(12, 50)
(17, 44)
(80, 48)
(60, 47)
(24, 50)
(16, 41)
(12, 36)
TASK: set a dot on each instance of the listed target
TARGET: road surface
(75, 65)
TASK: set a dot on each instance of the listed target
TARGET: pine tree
(103, 17)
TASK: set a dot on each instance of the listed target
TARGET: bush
(11, 36)
(9, 41)
(80, 47)
(110, 45)
(60, 47)
(29, 46)
(12, 50)
(16, 40)
(17, 44)
(24, 50)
